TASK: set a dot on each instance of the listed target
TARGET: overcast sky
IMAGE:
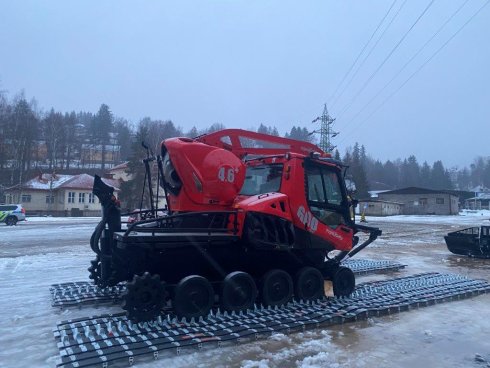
(242, 63)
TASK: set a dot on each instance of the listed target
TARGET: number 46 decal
(226, 174)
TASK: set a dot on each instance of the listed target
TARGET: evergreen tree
(300, 134)
(425, 175)
(410, 172)
(193, 133)
(440, 177)
(391, 174)
(464, 180)
(123, 132)
(486, 174)
(477, 171)
(267, 130)
(357, 172)
(102, 127)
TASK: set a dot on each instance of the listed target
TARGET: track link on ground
(72, 294)
(365, 266)
(107, 339)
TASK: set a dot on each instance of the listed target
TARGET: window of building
(26, 198)
(81, 197)
(423, 201)
(71, 197)
(50, 199)
(91, 198)
(439, 200)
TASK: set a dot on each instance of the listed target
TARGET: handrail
(168, 220)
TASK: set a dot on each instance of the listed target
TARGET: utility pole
(326, 130)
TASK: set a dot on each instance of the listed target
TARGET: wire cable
(362, 51)
(369, 54)
(421, 66)
(385, 60)
(408, 62)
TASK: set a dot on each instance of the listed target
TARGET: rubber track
(107, 339)
(71, 294)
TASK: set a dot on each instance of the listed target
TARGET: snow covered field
(44, 251)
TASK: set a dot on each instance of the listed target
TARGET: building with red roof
(59, 195)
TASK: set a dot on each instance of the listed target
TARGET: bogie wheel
(238, 291)
(276, 288)
(194, 297)
(309, 284)
(11, 221)
(343, 281)
(144, 297)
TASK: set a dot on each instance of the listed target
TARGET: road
(35, 254)
(45, 235)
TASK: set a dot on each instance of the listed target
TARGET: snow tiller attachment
(250, 218)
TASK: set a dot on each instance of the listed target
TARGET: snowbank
(465, 217)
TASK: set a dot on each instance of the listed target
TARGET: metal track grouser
(108, 339)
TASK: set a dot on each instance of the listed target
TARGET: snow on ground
(465, 217)
(48, 219)
(38, 253)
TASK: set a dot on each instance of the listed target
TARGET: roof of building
(119, 167)
(370, 200)
(415, 190)
(56, 181)
(86, 181)
(377, 186)
(479, 197)
(47, 181)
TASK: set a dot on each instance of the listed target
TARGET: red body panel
(243, 142)
(221, 174)
(211, 177)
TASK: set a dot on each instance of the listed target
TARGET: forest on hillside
(33, 140)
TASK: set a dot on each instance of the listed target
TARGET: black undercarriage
(191, 260)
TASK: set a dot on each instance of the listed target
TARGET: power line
(408, 62)
(385, 60)
(369, 53)
(362, 51)
(422, 66)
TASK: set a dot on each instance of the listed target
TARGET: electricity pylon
(326, 131)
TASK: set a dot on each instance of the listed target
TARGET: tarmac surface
(453, 334)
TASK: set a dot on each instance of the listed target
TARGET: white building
(59, 195)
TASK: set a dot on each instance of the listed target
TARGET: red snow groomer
(252, 218)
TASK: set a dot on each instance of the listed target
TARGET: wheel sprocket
(95, 270)
(144, 297)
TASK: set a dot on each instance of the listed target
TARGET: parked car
(12, 213)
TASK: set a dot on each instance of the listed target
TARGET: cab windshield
(325, 197)
(262, 179)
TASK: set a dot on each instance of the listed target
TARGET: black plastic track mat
(364, 266)
(109, 339)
